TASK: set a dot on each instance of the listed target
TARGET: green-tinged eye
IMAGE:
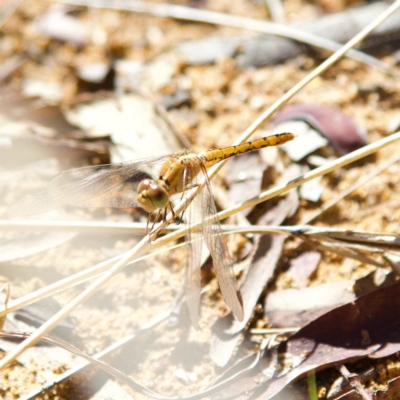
(151, 191)
(158, 197)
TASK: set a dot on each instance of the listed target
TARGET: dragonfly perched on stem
(136, 184)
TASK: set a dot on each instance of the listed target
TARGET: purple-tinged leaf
(345, 134)
(296, 307)
(366, 327)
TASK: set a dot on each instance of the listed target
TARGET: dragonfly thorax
(152, 196)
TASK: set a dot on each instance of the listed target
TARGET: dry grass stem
(213, 17)
(362, 181)
(74, 280)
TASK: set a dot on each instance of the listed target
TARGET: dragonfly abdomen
(212, 156)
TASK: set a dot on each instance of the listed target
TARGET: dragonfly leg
(155, 220)
(147, 224)
(188, 188)
(172, 211)
(184, 178)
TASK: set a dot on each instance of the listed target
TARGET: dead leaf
(303, 266)
(343, 132)
(244, 176)
(29, 149)
(111, 390)
(311, 190)
(307, 140)
(61, 26)
(134, 124)
(365, 327)
(297, 307)
(206, 51)
(32, 316)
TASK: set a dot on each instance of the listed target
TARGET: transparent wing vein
(222, 260)
(113, 185)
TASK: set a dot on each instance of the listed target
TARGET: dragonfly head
(151, 196)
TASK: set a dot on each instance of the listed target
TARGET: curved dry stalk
(316, 72)
(93, 227)
(145, 244)
(84, 295)
(83, 276)
(276, 10)
(74, 280)
(213, 17)
(274, 331)
(8, 11)
(6, 288)
(362, 181)
(95, 359)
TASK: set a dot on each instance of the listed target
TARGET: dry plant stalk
(213, 17)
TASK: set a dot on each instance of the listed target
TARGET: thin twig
(365, 179)
(8, 10)
(275, 8)
(309, 233)
(92, 227)
(73, 280)
(5, 287)
(354, 381)
(274, 331)
(94, 360)
(213, 17)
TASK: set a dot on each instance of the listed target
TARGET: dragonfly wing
(193, 267)
(223, 263)
(96, 171)
(113, 185)
(36, 204)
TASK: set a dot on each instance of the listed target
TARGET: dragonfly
(151, 184)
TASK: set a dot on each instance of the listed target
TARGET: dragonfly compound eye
(151, 192)
(158, 197)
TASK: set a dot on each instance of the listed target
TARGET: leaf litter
(123, 308)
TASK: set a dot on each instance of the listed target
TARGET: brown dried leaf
(303, 266)
(297, 307)
(368, 326)
(135, 125)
